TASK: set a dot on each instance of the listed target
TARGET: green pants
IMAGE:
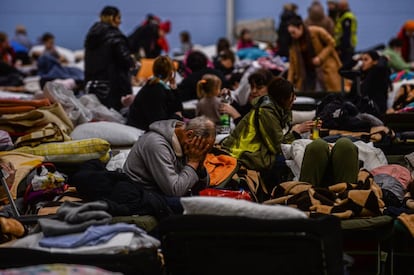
(323, 167)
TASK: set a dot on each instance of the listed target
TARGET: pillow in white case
(116, 134)
(231, 207)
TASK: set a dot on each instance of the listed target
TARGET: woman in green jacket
(256, 141)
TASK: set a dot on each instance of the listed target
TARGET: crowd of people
(169, 157)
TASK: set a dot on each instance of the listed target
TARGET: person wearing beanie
(406, 35)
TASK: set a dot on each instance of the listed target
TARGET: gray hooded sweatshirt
(156, 161)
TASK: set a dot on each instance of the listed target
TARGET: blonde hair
(208, 86)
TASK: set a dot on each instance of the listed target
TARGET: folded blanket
(75, 217)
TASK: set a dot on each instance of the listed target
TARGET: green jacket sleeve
(272, 127)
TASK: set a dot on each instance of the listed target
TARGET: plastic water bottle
(224, 127)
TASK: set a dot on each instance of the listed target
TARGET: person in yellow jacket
(313, 61)
(345, 32)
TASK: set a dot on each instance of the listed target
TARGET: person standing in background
(345, 32)
(186, 43)
(108, 60)
(317, 17)
(332, 9)
(289, 12)
(314, 63)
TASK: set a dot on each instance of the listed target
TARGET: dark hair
(222, 44)
(185, 36)
(227, 54)
(410, 188)
(373, 54)
(296, 21)
(280, 90)
(162, 68)
(235, 78)
(196, 61)
(109, 11)
(3, 37)
(261, 77)
(243, 32)
(47, 36)
(395, 42)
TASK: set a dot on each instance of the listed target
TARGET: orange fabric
(219, 167)
(146, 68)
(15, 109)
(409, 25)
(15, 106)
(8, 102)
(145, 71)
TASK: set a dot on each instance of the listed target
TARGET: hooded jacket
(257, 139)
(107, 58)
(156, 161)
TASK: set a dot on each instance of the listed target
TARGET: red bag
(235, 194)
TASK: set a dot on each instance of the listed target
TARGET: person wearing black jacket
(374, 85)
(108, 60)
(158, 99)
(197, 66)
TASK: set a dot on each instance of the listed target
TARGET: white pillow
(116, 134)
(221, 206)
(118, 160)
(304, 100)
(302, 116)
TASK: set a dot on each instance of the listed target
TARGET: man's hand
(197, 149)
(316, 61)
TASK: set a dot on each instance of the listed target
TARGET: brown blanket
(345, 200)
